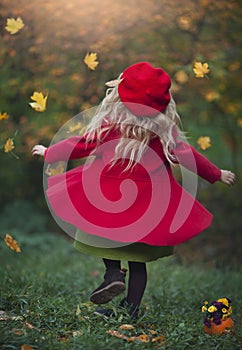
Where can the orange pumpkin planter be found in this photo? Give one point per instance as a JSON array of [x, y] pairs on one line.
[[218, 320], [226, 326]]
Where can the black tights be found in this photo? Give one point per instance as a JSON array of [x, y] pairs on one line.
[[137, 279]]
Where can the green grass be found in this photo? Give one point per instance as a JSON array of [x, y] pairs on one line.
[[42, 286]]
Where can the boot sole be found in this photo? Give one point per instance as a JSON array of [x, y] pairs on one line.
[[107, 293]]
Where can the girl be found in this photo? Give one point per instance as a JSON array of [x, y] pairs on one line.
[[126, 204]]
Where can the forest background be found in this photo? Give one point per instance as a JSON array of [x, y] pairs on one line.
[[47, 55]]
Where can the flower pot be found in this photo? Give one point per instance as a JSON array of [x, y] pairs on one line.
[[226, 326]]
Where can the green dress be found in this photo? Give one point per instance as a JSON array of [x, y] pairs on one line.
[[98, 246]]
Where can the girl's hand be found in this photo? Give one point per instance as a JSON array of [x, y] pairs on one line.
[[38, 150], [227, 177]]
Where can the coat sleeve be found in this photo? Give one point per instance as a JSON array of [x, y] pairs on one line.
[[187, 156], [72, 148]]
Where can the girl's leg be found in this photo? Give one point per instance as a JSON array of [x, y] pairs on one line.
[[136, 288], [113, 284], [137, 282], [112, 264]]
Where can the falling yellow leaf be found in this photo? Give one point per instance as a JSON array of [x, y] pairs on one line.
[[126, 327], [91, 60], [211, 96], [239, 121], [3, 116], [11, 243], [9, 145], [181, 77], [204, 142], [50, 171], [184, 22], [14, 25], [83, 130], [40, 101], [200, 69], [232, 108], [235, 66], [74, 127]]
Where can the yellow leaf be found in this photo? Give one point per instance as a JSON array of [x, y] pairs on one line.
[[200, 69], [144, 338], [82, 131], [181, 77], [239, 122], [9, 145], [184, 22], [120, 335], [40, 101], [26, 347], [91, 60], [204, 142], [11, 243], [132, 339], [158, 339], [74, 127], [126, 327], [211, 96], [3, 116], [14, 25], [234, 66], [116, 334], [55, 171]]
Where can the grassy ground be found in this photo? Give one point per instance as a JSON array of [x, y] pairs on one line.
[[45, 291]]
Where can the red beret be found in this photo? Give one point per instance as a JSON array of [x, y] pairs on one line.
[[144, 89]]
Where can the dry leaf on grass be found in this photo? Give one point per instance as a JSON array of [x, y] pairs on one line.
[[126, 327], [26, 347]]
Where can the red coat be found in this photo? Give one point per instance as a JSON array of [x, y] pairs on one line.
[[145, 204]]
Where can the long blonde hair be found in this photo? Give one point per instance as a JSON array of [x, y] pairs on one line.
[[136, 132]]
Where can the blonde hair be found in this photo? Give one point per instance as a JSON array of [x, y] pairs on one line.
[[136, 132]]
